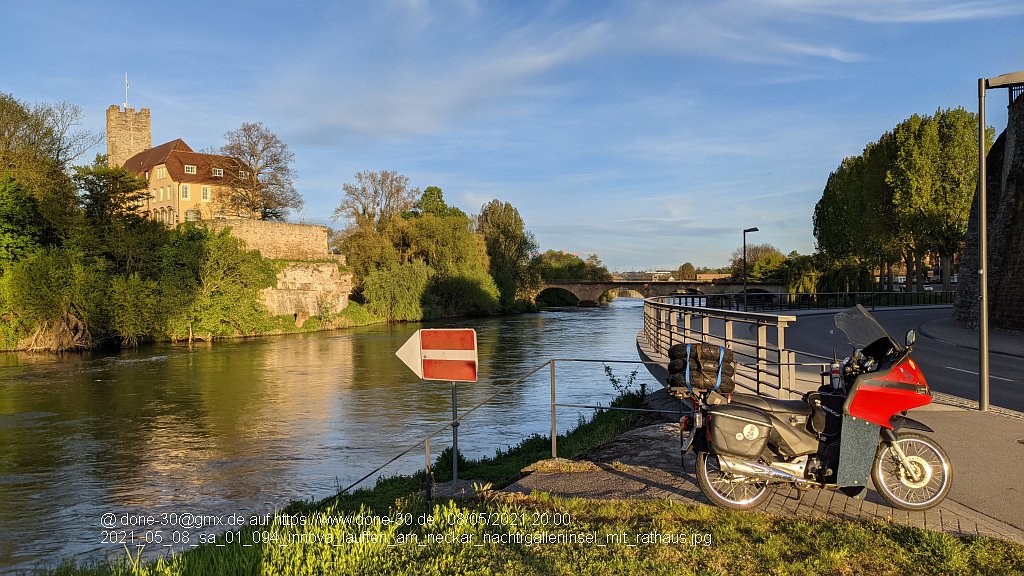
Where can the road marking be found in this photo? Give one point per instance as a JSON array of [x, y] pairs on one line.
[[975, 373]]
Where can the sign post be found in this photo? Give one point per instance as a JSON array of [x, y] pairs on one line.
[[444, 354]]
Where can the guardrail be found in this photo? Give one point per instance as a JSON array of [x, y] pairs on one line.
[[758, 341], [460, 417], [771, 301]]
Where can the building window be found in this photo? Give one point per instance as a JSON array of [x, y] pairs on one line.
[[218, 172], [189, 169], [206, 194], [161, 172], [184, 191], [243, 174]]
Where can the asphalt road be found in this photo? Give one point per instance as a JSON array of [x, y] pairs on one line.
[[948, 368]]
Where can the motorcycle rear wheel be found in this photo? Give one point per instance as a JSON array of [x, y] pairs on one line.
[[729, 490], [899, 487]]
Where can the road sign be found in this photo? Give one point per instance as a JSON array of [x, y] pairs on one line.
[[441, 354]]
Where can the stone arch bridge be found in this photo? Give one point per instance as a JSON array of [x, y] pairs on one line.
[[588, 292]]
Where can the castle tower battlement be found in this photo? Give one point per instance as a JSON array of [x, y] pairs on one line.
[[128, 133]]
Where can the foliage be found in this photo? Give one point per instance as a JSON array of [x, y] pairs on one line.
[[38, 143], [133, 314], [764, 262], [906, 195], [216, 283], [396, 294], [471, 293], [261, 179], [557, 265], [375, 198], [509, 249], [21, 225], [686, 272]]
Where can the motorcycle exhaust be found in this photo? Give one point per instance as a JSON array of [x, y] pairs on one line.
[[758, 470]]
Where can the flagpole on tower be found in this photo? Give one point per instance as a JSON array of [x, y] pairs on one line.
[[125, 90]]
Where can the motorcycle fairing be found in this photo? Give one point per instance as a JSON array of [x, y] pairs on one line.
[[857, 446], [878, 396]]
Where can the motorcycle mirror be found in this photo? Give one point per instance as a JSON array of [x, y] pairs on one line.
[[911, 337]]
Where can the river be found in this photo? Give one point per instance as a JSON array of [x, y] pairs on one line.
[[245, 426]]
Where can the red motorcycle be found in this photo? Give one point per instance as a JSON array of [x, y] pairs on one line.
[[834, 438]]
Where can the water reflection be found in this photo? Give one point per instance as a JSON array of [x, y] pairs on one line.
[[245, 426]]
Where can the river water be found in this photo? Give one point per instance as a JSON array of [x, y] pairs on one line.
[[243, 427]]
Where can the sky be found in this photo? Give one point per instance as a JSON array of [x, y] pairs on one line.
[[648, 133]]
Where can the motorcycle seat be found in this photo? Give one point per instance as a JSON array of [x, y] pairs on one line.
[[773, 405]]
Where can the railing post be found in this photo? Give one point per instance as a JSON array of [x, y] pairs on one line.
[[686, 327], [728, 334], [762, 352], [430, 479], [780, 335], [705, 328], [554, 426]]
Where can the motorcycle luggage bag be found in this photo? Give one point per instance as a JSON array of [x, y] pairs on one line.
[[701, 367], [737, 430]]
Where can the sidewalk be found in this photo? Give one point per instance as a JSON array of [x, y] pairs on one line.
[[986, 498], [985, 448], [953, 332]]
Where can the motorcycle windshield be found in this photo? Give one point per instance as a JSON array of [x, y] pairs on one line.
[[860, 327]]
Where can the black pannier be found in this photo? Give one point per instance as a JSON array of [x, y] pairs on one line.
[[737, 430], [701, 367]]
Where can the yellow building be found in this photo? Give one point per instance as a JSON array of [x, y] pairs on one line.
[[184, 185]]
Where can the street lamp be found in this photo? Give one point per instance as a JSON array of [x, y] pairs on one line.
[[745, 265], [1011, 80]]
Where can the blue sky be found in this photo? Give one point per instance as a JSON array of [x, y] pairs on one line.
[[649, 133]]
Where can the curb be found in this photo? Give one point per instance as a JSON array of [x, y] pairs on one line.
[[925, 331]]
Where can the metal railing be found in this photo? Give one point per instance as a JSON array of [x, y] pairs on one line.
[[460, 417], [771, 301], [758, 341]]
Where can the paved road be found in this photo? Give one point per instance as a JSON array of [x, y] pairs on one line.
[[948, 367]]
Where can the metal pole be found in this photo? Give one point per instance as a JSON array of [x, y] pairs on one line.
[[430, 479], [455, 436], [744, 270], [982, 255], [554, 427]]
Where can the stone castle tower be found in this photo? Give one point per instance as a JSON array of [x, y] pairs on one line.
[[128, 133]]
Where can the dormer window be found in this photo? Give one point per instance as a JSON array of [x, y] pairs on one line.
[[243, 174], [189, 169], [218, 172], [161, 173]]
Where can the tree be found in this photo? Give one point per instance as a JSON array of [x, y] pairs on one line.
[[109, 193], [375, 198], [260, 179], [21, 225], [763, 262], [509, 249], [37, 145], [686, 272]]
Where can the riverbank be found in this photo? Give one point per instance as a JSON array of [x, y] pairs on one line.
[[393, 529]]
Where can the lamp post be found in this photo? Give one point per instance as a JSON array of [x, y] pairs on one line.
[[745, 265], [1005, 81]]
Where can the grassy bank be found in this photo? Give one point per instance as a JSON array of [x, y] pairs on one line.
[[393, 529]]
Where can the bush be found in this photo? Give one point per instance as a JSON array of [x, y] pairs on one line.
[[396, 293]]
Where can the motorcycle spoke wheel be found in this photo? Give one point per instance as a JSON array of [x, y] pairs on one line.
[[728, 490], [921, 486]]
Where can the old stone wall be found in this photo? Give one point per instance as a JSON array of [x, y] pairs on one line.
[[279, 240], [307, 289], [128, 133], [1005, 207]]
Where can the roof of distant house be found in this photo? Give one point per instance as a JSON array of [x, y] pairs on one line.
[[175, 155]]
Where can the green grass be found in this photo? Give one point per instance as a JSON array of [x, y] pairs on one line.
[[498, 533]]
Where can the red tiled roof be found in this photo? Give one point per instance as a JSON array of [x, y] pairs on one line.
[[176, 154]]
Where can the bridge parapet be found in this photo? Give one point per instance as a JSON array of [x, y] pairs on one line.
[[592, 290]]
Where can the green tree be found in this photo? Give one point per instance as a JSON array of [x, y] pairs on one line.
[[21, 225], [214, 282], [763, 262], [686, 272], [133, 314], [509, 248], [397, 294]]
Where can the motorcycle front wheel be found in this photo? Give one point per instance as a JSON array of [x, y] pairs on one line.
[[920, 488], [729, 490]]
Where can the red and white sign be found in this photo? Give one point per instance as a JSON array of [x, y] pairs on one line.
[[441, 354]]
